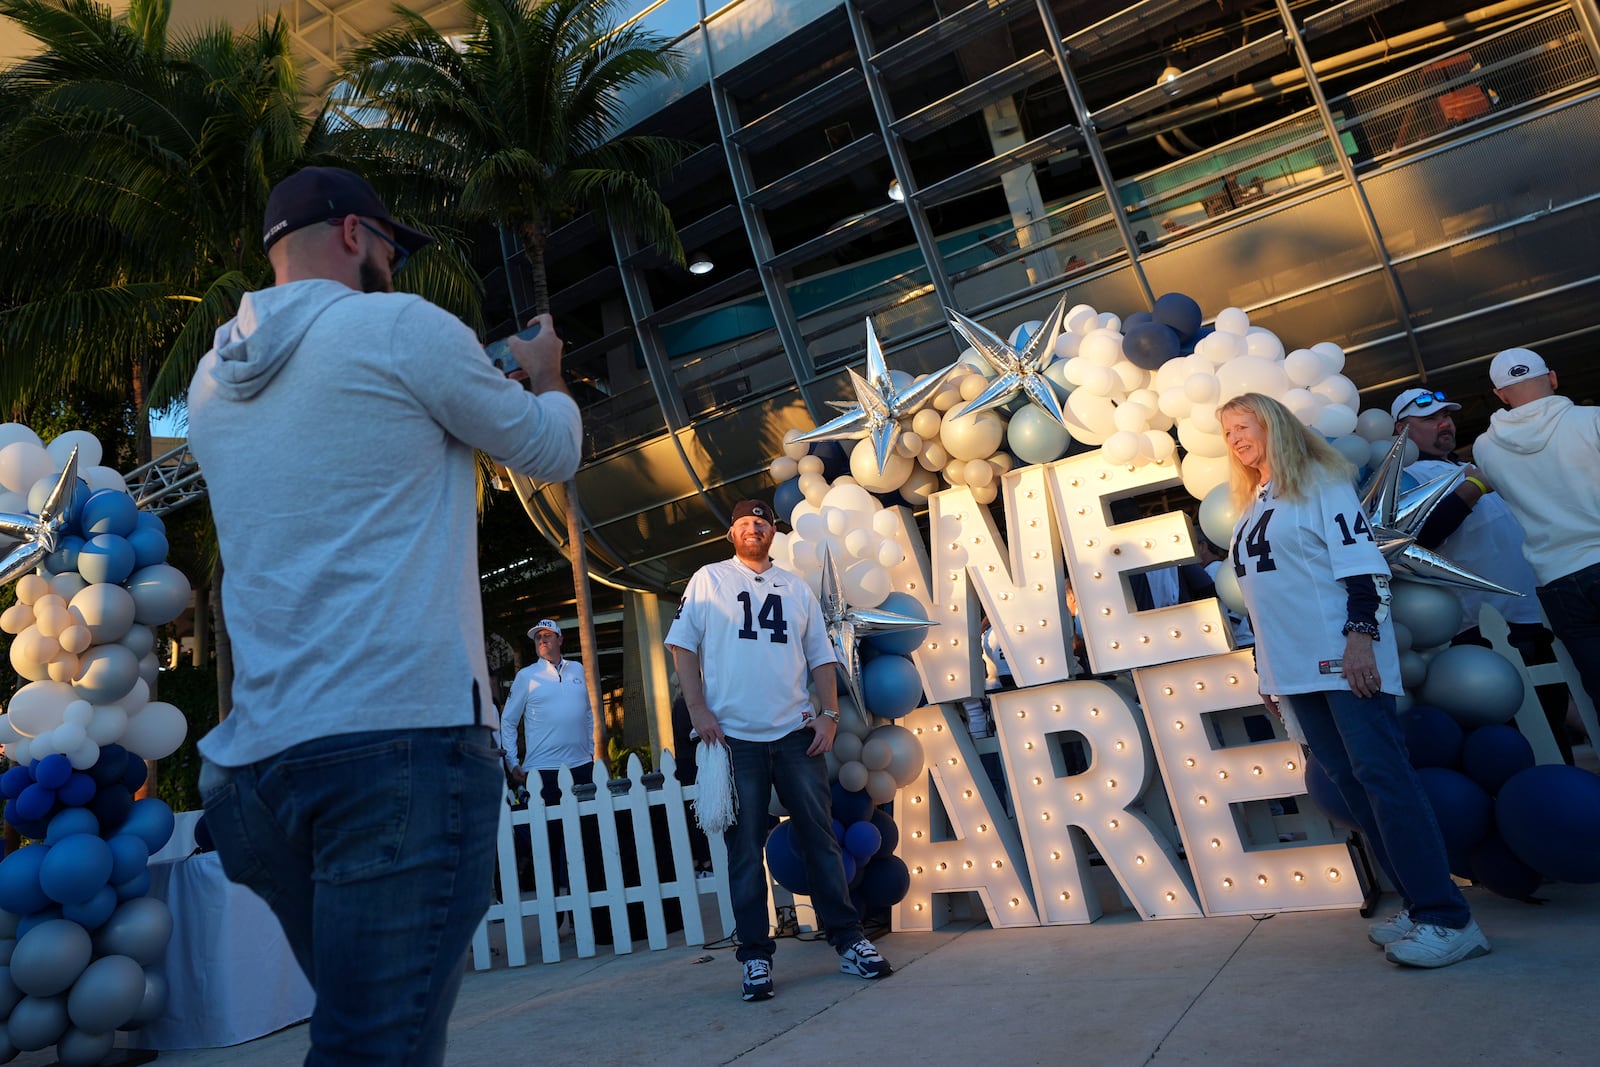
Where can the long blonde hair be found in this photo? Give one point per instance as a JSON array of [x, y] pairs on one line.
[[1297, 455]]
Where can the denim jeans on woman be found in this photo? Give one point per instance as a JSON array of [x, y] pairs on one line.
[[1358, 743], [802, 784], [376, 852]]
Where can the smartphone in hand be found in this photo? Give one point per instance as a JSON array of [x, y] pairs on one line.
[[499, 352]]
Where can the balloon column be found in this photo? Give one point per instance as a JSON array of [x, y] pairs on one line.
[[80, 933]]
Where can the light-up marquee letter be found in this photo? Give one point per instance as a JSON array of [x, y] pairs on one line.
[[1206, 779], [1099, 554], [1100, 801], [973, 847]]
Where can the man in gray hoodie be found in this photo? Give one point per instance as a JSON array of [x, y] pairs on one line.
[[356, 783], [1542, 454]]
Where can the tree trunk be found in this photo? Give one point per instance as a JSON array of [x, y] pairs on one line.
[[533, 240], [223, 644]]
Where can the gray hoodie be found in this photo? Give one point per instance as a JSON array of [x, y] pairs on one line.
[[336, 432], [1543, 458]]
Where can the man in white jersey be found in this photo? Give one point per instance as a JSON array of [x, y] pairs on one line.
[[745, 639]]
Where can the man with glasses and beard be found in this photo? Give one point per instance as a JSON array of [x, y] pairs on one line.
[[356, 783], [1474, 528]]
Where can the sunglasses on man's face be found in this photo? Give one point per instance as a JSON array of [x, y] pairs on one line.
[[398, 255], [1426, 401]]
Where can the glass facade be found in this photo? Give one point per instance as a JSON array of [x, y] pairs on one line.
[[1415, 181]]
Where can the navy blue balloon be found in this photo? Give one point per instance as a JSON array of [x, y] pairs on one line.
[[1464, 812], [152, 820], [838, 832], [137, 886], [111, 806], [1433, 736], [20, 893], [149, 547], [1179, 311], [129, 856], [886, 882], [93, 913], [53, 771], [149, 520], [69, 821], [35, 804], [888, 828], [783, 859], [14, 781], [1550, 817], [853, 871], [78, 791], [1135, 318], [135, 773], [862, 840], [891, 686], [202, 835], [109, 767], [786, 496], [1150, 344], [65, 557], [900, 642], [1497, 869], [1492, 754], [109, 511], [1325, 795], [835, 458], [850, 807]]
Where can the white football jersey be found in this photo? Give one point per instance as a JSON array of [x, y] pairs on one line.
[[1289, 556], [759, 637]]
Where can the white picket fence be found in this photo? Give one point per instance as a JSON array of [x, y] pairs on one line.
[[650, 889]]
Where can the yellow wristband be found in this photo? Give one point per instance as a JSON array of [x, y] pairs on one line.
[[1483, 486]]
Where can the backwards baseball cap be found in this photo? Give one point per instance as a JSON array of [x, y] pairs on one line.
[[756, 508], [545, 624], [1420, 402], [317, 194], [1516, 365]]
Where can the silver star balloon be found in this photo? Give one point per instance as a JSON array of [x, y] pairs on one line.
[[1398, 516], [1017, 372], [880, 407], [847, 625], [40, 534]]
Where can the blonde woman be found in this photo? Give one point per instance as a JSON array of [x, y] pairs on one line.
[[1317, 590]]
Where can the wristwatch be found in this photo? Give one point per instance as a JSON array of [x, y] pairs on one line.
[[834, 715]]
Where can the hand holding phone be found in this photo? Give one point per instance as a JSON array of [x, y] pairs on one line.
[[499, 352]]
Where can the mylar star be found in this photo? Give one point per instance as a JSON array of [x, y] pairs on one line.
[[1398, 515], [1018, 372], [847, 625], [880, 407], [40, 535]]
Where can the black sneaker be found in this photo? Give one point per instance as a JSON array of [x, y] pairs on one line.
[[757, 979], [862, 959]]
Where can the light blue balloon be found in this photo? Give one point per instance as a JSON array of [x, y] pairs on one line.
[[1035, 437], [106, 558], [49, 958], [890, 686]]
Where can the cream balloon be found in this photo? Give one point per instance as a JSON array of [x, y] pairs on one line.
[[925, 424], [156, 732], [919, 487], [1201, 474], [783, 468], [974, 436], [30, 587], [795, 449], [38, 707]]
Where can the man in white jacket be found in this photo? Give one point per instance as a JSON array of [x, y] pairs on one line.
[[1542, 455]]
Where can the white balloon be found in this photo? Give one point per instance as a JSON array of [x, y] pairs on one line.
[[837, 521], [1162, 446], [1374, 424], [1332, 354], [1304, 367], [22, 465], [1232, 320], [1199, 443], [83, 755], [861, 544], [865, 584], [1201, 474], [851, 499], [889, 553], [1175, 403], [1121, 447], [1090, 419], [1081, 319], [107, 725], [864, 466], [1218, 516], [1352, 448], [1251, 374], [1100, 348], [37, 707], [1339, 390], [1305, 404], [1335, 420], [1218, 348], [1101, 381], [156, 732], [12, 432], [67, 585], [1205, 419], [1263, 343], [1202, 389], [87, 444], [108, 610], [1132, 416], [97, 478]]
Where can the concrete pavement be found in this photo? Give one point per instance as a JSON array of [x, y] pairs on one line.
[[1293, 988]]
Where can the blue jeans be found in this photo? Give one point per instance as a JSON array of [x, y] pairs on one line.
[[1572, 605], [376, 852], [802, 784], [1359, 744]]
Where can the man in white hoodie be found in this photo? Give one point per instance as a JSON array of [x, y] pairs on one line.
[[1542, 454], [356, 783]]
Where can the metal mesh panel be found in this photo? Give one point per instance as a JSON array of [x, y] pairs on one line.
[[1531, 323], [1473, 84], [1300, 247], [1348, 313], [1469, 188]]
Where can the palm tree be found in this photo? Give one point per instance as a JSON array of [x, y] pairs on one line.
[[134, 170], [521, 121]]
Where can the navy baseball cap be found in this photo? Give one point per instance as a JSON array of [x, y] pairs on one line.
[[317, 194], [755, 508]]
